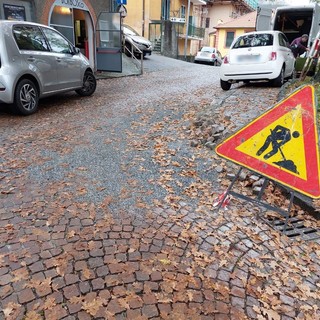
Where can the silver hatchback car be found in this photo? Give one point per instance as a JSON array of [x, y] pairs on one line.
[[37, 61]]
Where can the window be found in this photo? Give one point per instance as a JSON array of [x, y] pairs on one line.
[[57, 42], [229, 38], [183, 12], [62, 20], [283, 41], [30, 38], [254, 40], [207, 22]]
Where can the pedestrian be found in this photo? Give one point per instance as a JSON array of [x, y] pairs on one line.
[[299, 45]]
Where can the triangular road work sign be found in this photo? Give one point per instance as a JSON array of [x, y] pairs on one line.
[[281, 144]]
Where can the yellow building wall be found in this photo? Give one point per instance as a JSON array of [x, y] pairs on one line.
[[221, 37], [175, 6], [134, 18], [181, 46]]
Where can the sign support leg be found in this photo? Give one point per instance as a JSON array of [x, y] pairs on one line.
[[229, 188], [258, 200]]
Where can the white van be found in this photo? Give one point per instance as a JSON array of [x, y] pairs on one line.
[[293, 21]]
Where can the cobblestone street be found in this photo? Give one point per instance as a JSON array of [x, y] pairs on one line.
[[106, 209]]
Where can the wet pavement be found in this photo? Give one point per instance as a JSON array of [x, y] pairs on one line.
[[106, 209]]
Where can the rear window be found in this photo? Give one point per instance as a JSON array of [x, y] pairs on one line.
[[207, 49], [254, 40]]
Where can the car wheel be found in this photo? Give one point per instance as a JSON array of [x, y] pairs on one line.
[[26, 97], [225, 85], [278, 82], [291, 76], [89, 85]]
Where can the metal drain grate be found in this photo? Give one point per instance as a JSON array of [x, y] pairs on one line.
[[293, 227]]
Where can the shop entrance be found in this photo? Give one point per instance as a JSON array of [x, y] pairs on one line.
[[76, 25]]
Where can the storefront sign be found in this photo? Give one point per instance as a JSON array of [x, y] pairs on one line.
[[12, 12], [76, 4]]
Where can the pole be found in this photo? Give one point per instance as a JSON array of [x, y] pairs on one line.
[[143, 16], [187, 31]]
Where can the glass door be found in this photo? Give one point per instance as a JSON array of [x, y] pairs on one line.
[[109, 42]]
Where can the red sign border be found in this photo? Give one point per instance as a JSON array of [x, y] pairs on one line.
[[310, 186]]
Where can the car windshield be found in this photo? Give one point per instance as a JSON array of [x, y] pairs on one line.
[[129, 31], [207, 49], [254, 40]]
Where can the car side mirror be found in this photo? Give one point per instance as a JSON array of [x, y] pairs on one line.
[[75, 50]]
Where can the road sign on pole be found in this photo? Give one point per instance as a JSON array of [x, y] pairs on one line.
[[122, 10], [281, 144], [121, 1]]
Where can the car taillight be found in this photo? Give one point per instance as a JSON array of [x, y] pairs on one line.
[[213, 55], [273, 56], [225, 60]]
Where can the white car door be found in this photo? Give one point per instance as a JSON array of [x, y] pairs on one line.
[[287, 54]]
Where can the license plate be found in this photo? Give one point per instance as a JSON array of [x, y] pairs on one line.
[[248, 58]]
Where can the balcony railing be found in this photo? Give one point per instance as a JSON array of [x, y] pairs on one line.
[[250, 3], [196, 32], [193, 31]]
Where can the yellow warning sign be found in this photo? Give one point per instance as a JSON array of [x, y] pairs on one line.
[[280, 144]]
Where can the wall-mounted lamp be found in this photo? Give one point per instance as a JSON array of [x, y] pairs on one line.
[[65, 10]]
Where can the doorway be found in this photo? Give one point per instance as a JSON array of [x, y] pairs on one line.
[[76, 25]]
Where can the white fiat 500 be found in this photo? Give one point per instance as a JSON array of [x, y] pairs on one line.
[[253, 56]]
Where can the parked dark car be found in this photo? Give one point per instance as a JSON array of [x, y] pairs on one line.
[[133, 42]]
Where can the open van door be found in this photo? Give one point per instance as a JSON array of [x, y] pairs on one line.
[[315, 23], [265, 16], [263, 21]]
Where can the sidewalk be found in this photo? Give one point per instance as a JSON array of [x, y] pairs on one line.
[[130, 67]]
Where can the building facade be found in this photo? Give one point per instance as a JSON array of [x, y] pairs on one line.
[[144, 16], [228, 31], [75, 19]]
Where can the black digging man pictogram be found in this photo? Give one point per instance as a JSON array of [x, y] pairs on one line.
[[279, 136]]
